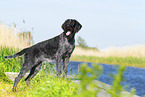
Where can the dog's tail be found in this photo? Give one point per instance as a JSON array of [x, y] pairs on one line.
[[17, 54]]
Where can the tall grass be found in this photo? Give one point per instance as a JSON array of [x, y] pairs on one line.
[[137, 51], [126, 51], [11, 41], [128, 56], [85, 51], [9, 65], [10, 36]]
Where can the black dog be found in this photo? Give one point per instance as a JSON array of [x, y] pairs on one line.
[[58, 48]]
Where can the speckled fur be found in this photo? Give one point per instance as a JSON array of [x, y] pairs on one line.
[[58, 48]]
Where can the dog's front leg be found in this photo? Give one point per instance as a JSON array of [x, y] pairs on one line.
[[65, 66], [58, 66]]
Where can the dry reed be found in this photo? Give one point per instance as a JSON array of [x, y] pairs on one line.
[[9, 36], [85, 51], [127, 51]]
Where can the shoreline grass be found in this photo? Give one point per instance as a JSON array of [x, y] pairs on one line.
[[126, 61], [128, 56]]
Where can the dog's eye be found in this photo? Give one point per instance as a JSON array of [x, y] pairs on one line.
[[67, 23], [72, 23]]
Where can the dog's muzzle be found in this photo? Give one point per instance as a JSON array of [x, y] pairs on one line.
[[68, 33]]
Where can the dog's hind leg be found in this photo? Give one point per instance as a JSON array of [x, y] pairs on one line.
[[23, 71], [33, 72]]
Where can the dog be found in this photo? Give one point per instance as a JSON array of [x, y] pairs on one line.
[[58, 48]]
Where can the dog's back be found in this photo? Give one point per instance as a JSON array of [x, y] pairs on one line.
[[58, 48]]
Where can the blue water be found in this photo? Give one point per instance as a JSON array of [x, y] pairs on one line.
[[133, 77]]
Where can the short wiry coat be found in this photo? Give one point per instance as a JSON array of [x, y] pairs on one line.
[[58, 48]]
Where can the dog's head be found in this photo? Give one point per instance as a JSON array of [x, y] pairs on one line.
[[70, 27]]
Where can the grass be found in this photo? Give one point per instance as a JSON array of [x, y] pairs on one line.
[[128, 56], [10, 36], [9, 65], [47, 85], [137, 51], [50, 85], [11, 41], [126, 61]]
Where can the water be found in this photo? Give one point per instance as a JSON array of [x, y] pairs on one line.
[[134, 77]]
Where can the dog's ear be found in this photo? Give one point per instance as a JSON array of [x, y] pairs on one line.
[[63, 25], [78, 26]]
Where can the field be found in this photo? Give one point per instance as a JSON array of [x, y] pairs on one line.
[[128, 56], [11, 42], [137, 51]]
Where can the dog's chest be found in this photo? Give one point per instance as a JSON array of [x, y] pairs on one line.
[[68, 47]]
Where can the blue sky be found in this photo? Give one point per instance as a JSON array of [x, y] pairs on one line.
[[105, 23]]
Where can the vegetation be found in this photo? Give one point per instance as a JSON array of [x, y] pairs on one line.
[[47, 85], [127, 56], [127, 61], [11, 37], [9, 65], [81, 42], [137, 51], [12, 41], [27, 37]]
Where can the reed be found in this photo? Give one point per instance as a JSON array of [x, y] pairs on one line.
[[12, 41], [137, 51], [10, 36]]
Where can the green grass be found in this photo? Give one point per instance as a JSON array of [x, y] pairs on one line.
[[51, 86], [46, 85], [9, 65], [126, 61]]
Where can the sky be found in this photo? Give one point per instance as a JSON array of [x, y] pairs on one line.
[[105, 23]]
